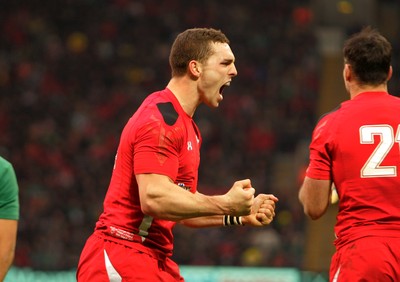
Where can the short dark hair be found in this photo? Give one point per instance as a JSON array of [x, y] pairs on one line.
[[369, 54], [193, 44]]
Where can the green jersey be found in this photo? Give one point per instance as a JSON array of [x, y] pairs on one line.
[[9, 200]]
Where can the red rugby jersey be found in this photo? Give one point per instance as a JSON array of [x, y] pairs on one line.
[[357, 146], [159, 138]]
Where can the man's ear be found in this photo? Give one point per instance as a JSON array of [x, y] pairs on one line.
[[347, 72], [390, 73], [194, 68]]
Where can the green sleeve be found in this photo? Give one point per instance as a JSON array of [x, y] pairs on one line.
[[9, 200]]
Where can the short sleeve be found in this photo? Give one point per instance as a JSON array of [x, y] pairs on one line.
[[9, 199], [320, 159], [157, 149]]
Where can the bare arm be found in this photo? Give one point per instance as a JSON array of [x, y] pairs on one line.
[[315, 195], [161, 198], [8, 239], [262, 213]]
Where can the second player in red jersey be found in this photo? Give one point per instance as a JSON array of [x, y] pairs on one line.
[[356, 148]]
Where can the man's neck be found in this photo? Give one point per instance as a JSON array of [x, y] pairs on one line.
[[355, 90], [185, 91]]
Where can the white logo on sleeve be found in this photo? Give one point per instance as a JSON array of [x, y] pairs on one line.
[[189, 146]]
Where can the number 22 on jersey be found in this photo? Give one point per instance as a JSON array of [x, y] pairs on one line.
[[373, 168]]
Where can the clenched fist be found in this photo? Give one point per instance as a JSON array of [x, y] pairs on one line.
[[262, 212], [240, 198]]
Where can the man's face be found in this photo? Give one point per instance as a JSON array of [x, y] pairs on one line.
[[216, 73]]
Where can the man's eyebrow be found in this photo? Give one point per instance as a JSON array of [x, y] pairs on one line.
[[228, 60]]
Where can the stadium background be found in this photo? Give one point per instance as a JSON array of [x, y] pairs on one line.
[[73, 71]]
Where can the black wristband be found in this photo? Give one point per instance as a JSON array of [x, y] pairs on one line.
[[229, 220], [226, 221]]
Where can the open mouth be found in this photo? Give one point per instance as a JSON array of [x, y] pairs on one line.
[[223, 87]]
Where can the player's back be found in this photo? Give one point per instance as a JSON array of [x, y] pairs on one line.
[[366, 164]]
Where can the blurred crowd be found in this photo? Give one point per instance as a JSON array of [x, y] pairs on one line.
[[73, 71]]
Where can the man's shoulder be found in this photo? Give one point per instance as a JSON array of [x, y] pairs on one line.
[[168, 112], [5, 165], [160, 105], [4, 162], [329, 115]]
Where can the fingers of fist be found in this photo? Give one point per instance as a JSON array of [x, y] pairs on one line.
[[266, 213], [263, 219], [268, 205]]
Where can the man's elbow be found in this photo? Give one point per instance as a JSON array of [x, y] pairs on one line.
[[151, 207], [314, 213]]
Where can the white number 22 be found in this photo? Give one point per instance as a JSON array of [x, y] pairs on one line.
[[373, 168]]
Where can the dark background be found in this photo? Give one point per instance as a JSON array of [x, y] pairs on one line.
[[73, 72]]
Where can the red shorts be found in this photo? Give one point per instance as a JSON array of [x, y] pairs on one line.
[[109, 261], [367, 259]]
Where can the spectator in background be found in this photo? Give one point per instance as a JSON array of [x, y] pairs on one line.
[[9, 215], [154, 181], [356, 148]]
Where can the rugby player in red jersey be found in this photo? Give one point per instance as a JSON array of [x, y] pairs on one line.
[[356, 147], [154, 181]]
